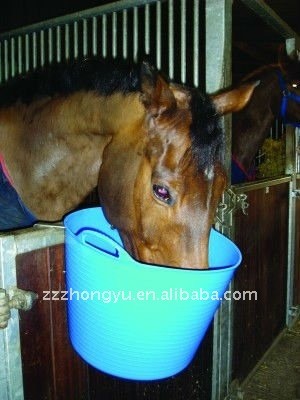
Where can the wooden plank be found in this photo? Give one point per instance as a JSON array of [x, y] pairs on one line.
[[262, 238], [51, 369]]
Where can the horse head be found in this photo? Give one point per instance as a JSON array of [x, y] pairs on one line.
[[289, 82], [162, 175], [277, 95]]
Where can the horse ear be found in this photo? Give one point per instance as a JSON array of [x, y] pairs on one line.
[[156, 96], [235, 99], [289, 62], [285, 57]]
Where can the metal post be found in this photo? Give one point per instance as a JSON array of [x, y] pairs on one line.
[[291, 168], [218, 76], [11, 378], [11, 245]]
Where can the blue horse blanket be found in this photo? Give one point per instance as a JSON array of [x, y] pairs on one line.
[[13, 213]]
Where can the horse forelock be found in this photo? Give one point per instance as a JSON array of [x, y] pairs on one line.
[[207, 138]]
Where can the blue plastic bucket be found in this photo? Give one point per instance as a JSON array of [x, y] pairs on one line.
[[134, 320]]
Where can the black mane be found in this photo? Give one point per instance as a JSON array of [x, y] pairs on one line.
[[67, 78], [107, 77], [206, 132]]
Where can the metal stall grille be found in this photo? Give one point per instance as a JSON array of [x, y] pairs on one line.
[[125, 29]]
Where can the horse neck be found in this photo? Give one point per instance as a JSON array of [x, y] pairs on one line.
[[60, 142], [251, 125]]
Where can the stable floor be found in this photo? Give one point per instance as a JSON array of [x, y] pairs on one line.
[[278, 375]]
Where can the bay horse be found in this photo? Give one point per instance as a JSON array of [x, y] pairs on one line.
[[277, 95], [153, 148]]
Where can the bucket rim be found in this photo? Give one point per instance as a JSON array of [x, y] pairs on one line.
[[136, 263]]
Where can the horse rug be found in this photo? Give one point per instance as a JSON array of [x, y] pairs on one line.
[[13, 212]]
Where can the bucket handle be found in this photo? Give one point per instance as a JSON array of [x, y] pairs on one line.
[[93, 238]]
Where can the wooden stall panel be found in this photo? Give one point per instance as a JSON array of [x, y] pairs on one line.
[[51, 368], [262, 237]]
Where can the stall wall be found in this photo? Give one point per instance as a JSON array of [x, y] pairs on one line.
[[262, 237], [51, 368]]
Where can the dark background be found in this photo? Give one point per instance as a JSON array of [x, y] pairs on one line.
[[16, 13]]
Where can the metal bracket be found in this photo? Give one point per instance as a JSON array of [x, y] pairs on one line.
[[294, 311], [235, 392], [14, 298], [234, 202], [296, 193]]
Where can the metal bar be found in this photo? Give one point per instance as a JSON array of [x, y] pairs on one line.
[[75, 39], [291, 253], [20, 58], [11, 379], [6, 67], [271, 18], [84, 38], [67, 41], [89, 13], [11, 245], [125, 34], [158, 34], [36, 238], [27, 56], [218, 17], [114, 35], [94, 36], [135, 33], [42, 48], [261, 184], [183, 40], [34, 50], [297, 146], [12, 57], [196, 11], [50, 45], [58, 44], [171, 37], [147, 29], [104, 35]]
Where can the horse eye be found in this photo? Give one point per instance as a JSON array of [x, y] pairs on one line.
[[162, 193]]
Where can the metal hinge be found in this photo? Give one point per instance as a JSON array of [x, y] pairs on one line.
[[14, 298], [294, 311], [235, 392], [296, 193], [233, 202]]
